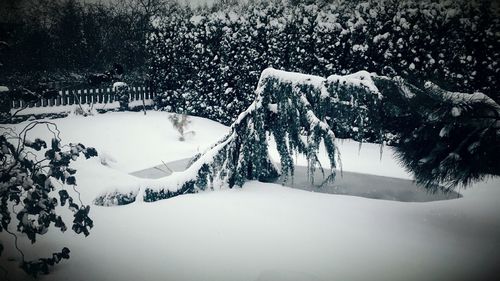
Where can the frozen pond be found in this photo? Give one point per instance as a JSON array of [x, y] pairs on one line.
[[369, 186], [349, 183]]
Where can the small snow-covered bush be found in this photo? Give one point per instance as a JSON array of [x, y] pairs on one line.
[[121, 90], [106, 159], [79, 110], [115, 198], [181, 123]]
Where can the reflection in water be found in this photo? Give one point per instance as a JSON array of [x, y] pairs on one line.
[[369, 186]]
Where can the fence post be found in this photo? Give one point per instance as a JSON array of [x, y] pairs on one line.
[[112, 95], [78, 95], [71, 97], [82, 96], [100, 96], [150, 94], [106, 95], [66, 97], [59, 98]]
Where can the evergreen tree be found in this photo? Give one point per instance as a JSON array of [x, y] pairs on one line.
[[447, 137]]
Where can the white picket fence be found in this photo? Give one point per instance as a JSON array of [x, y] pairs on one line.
[[96, 97]]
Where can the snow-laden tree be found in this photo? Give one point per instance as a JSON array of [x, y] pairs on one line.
[[447, 138], [290, 107]]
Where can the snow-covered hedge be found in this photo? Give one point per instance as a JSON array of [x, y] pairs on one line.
[[207, 62]]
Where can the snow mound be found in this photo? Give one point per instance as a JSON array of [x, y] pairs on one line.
[[119, 85]]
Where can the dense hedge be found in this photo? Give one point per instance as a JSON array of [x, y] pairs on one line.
[[207, 61], [63, 41]]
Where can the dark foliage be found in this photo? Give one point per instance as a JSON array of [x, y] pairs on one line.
[[25, 185], [449, 139], [207, 62], [68, 40], [42, 266]]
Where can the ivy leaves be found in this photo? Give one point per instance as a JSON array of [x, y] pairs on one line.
[[42, 265], [60, 160], [26, 184]]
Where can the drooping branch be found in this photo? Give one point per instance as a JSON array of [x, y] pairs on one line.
[[281, 110], [302, 111], [446, 138]]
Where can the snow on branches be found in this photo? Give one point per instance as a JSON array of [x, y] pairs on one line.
[[302, 111], [447, 139], [292, 108]]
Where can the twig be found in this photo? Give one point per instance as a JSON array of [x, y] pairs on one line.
[[167, 166], [144, 103], [15, 243], [78, 100], [9, 132], [79, 195], [19, 110], [160, 170]]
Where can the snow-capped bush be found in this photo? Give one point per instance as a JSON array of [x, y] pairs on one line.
[[181, 123], [121, 90]]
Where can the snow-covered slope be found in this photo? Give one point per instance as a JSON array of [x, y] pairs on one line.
[[131, 141], [263, 231]]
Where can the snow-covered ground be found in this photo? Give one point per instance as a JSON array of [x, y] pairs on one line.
[[262, 231]]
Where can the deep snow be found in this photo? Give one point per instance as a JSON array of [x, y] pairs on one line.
[[261, 231]]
